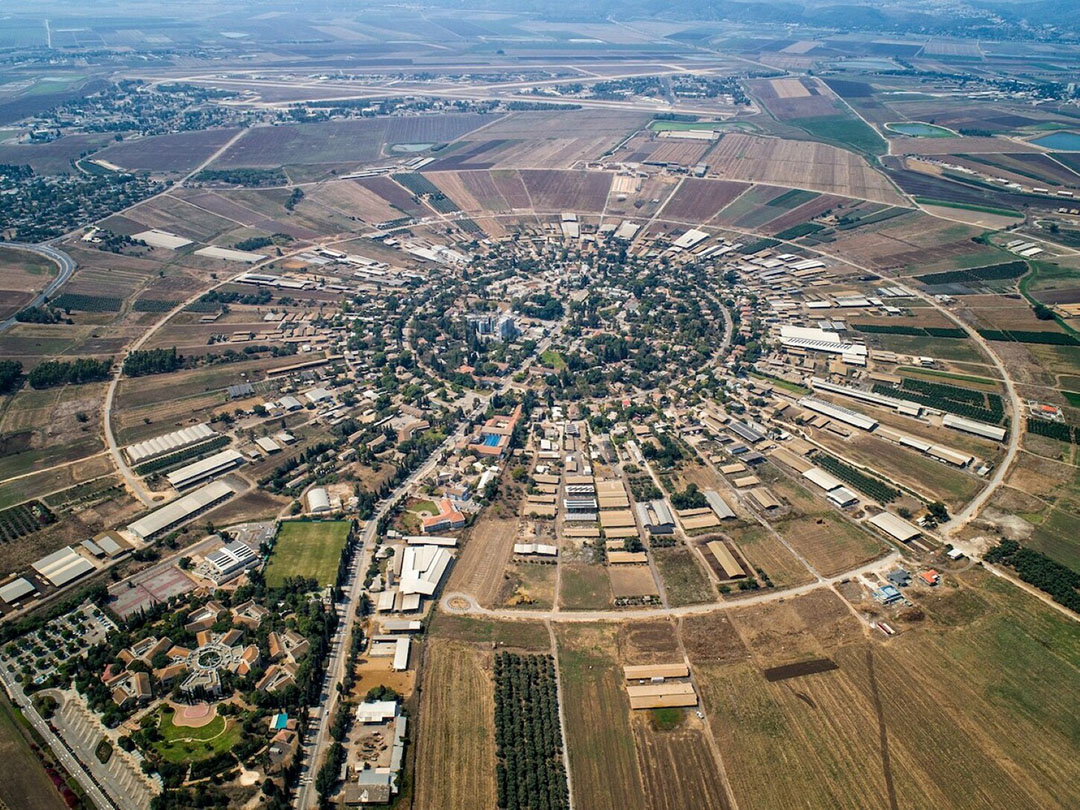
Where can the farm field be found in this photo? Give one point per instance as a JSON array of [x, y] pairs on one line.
[[699, 200], [880, 687], [355, 141], [684, 580], [307, 549], [487, 549], [455, 753], [25, 784], [801, 164], [762, 550], [584, 587], [829, 543], [603, 762], [22, 274], [181, 152]]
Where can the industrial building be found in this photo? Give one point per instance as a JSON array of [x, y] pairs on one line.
[[228, 562], [201, 471], [656, 517], [973, 427], [182, 509]]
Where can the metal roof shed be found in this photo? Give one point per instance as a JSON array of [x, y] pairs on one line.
[[895, 527]]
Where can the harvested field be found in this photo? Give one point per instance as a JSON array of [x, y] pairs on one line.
[[455, 747], [955, 146], [26, 785], [486, 551], [525, 635], [510, 186], [355, 141], [481, 186], [684, 153], [394, 195], [603, 763], [829, 543], [805, 212], [566, 191], [648, 642], [677, 767], [699, 200], [712, 639], [632, 580], [762, 550], [181, 152], [802, 164], [22, 275]]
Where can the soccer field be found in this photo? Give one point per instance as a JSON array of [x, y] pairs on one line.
[[307, 549]]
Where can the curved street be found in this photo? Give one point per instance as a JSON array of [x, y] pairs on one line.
[[66, 264]]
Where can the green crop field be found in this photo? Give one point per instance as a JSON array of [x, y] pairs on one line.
[[307, 549], [846, 131]]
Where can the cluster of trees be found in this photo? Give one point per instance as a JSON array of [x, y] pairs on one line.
[[61, 372], [528, 739], [243, 177], [1062, 431], [668, 455], [689, 498], [541, 305], [1037, 569], [256, 242], [261, 297], [152, 361], [39, 315], [10, 376], [294, 198]]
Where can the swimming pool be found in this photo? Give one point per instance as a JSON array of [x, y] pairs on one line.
[[491, 440]]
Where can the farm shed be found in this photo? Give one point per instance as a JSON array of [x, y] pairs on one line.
[[971, 426], [617, 519], [764, 499], [169, 443], [895, 527], [726, 560], [719, 506], [643, 672], [15, 590], [626, 557], [172, 515], [63, 566], [658, 695], [207, 468]]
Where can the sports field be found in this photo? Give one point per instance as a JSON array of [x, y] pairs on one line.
[[307, 549]]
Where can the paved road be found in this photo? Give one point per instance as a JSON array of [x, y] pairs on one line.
[[65, 263], [464, 604], [56, 745]]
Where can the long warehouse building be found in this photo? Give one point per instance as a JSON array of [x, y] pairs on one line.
[[174, 442], [182, 509], [204, 470], [839, 413]]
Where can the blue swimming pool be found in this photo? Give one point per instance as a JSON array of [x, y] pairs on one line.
[[491, 440]]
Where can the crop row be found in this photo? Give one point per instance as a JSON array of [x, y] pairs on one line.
[[26, 518], [866, 484], [87, 303], [976, 412], [1061, 431], [914, 331], [529, 766], [993, 272], [1022, 336]]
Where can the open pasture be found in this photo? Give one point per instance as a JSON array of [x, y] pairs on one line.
[[685, 581]]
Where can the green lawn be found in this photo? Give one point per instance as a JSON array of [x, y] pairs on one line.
[[307, 549], [552, 359], [180, 744]]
